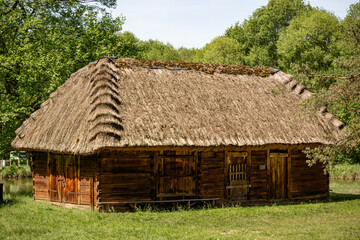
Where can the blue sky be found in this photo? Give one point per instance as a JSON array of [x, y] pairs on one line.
[[193, 23]]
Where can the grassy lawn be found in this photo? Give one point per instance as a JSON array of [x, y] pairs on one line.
[[21, 218]]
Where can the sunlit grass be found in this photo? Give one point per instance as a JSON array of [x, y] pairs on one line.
[[22, 218]]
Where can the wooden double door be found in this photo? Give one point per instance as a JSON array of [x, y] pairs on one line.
[[63, 178]]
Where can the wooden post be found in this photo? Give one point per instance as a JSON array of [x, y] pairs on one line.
[[226, 176], [268, 174]]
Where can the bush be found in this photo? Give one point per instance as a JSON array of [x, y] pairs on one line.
[[15, 172], [345, 172]]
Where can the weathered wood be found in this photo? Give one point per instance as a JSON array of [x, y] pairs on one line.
[[278, 186], [178, 173], [258, 180], [305, 180]]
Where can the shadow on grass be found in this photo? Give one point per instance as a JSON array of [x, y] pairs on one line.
[[341, 197], [10, 199]]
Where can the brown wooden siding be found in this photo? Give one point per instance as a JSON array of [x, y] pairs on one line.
[[304, 180], [88, 170], [125, 176], [40, 172], [212, 180], [258, 178]]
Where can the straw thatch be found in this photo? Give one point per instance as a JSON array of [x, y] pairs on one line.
[[129, 103]]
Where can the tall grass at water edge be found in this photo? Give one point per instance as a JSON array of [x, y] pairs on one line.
[[14, 172]]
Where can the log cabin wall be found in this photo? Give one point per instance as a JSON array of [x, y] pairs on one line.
[[305, 181], [124, 177], [89, 180], [212, 175], [258, 174], [39, 167]]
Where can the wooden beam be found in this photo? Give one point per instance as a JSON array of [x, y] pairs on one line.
[[226, 172], [268, 175], [289, 174], [278, 155]]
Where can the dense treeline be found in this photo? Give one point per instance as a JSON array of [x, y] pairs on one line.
[[43, 41], [313, 44]]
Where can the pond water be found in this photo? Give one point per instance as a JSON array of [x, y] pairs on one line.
[[17, 186]]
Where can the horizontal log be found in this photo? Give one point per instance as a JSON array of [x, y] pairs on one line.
[[129, 197], [125, 188], [85, 164], [278, 155], [258, 153], [84, 199], [129, 178], [126, 154], [307, 194], [84, 173], [40, 197]]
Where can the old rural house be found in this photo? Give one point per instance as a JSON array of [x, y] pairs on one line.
[[121, 132]]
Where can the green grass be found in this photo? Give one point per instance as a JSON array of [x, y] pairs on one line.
[[22, 218], [345, 172]]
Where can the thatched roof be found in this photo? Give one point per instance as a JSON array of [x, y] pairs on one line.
[[129, 103]]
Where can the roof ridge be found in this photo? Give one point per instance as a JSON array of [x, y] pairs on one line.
[[202, 67]]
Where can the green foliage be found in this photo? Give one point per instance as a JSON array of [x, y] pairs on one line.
[[222, 50], [310, 41], [345, 172], [42, 43], [156, 50], [129, 46], [260, 33], [186, 54], [14, 171]]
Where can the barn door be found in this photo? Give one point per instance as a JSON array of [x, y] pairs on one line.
[[63, 179], [55, 172], [176, 175], [238, 181], [71, 188], [278, 175]]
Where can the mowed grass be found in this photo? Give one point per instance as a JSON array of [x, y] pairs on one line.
[[22, 218]]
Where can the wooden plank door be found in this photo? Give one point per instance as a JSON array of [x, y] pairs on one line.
[[176, 176], [238, 181], [55, 172], [71, 180], [63, 179], [278, 176]]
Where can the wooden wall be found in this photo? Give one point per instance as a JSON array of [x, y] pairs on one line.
[[212, 183], [88, 180], [124, 176], [39, 166], [305, 181], [258, 177]]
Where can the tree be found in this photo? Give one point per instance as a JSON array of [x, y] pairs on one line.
[[186, 54], [310, 41], [41, 43], [156, 50], [222, 50], [129, 46], [260, 33], [343, 96]]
